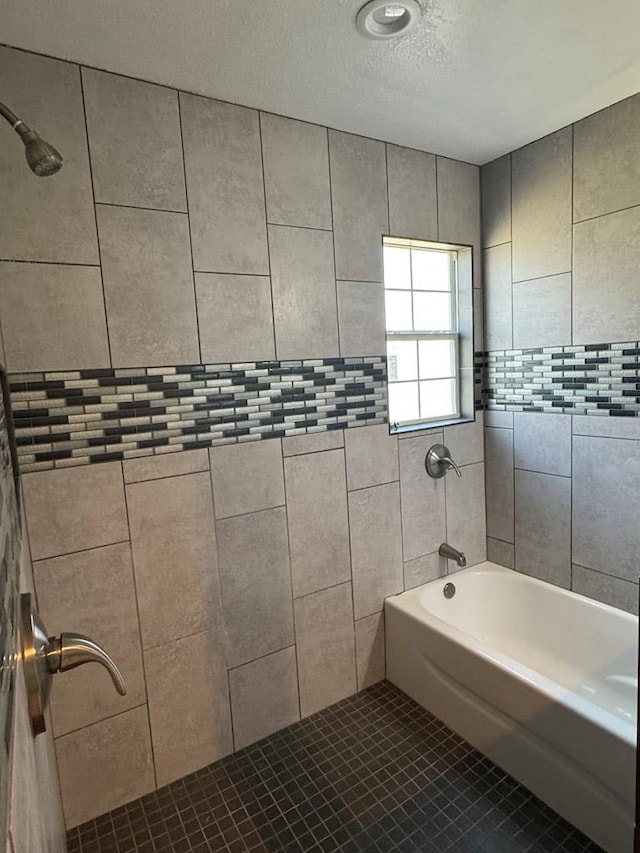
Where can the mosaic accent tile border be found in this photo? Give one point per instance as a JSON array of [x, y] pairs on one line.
[[79, 417], [591, 379]]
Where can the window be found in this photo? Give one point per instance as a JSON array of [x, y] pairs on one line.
[[423, 331]]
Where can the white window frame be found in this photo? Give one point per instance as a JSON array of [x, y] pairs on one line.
[[452, 334]]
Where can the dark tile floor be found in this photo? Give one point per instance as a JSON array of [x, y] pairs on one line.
[[373, 773]]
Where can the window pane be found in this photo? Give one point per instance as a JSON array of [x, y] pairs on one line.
[[437, 358], [402, 360], [398, 310], [397, 268], [403, 402], [432, 312], [430, 270], [438, 398]]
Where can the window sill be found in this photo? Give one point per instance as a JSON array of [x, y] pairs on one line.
[[431, 426]]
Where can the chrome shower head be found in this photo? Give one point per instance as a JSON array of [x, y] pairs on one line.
[[43, 158]]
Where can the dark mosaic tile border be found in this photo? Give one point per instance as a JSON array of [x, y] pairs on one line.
[[78, 417], [592, 379], [374, 772]]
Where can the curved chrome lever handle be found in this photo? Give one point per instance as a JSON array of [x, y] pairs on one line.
[[447, 460], [43, 656], [438, 460], [71, 650]]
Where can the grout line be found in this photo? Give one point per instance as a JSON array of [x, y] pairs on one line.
[[139, 620], [267, 238], [142, 206], [607, 213], [95, 214], [542, 473], [572, 320], [292, 601], [534, 278], [373, 485], [186, 195], [102, 720], [333, 245], [82, 550], [49, 263]]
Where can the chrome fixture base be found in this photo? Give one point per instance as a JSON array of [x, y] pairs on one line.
[[438, 461]]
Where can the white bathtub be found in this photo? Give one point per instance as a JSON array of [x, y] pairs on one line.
[[541, 680]]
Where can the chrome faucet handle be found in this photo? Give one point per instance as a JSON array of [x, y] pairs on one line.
[[449, 461], [71, 650], [438, 460], [43, 656]]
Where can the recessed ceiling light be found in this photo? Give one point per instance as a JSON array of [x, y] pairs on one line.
[[380, 19]]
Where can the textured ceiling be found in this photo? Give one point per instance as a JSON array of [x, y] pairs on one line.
[[475, 79]]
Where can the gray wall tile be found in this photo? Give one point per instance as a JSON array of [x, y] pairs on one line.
[[459, 203], [614, 591], [550, 327], [135, 141], [92, 593], [498, 457], [174, 557], [247, 477], [498, 311], [495, 179], [318, 523], [466, 441], [502, 553], [423, 507], [235, 317], [304, 292], [543, 506], [105, 765], [188, 704], [376, 547], [223, 164], [73, 509], [606, 504], [296, 445], [606, 427], [361, 318], [606, 297], [542, 442], [413, 204], [259, 709], [41, 306], [370, 650], [296, 172], [256, 584], [503, 420], [148, 284], [466, 519], [541, 175], [605, 151], [372, 456], [46, 220], [167, 465], [424, 569], [359, 198], [326, 648]]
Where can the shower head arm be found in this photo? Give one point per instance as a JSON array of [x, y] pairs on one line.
[[10, 116]]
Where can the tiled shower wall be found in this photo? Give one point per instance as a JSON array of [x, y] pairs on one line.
[[561, 236], [240, 586]]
